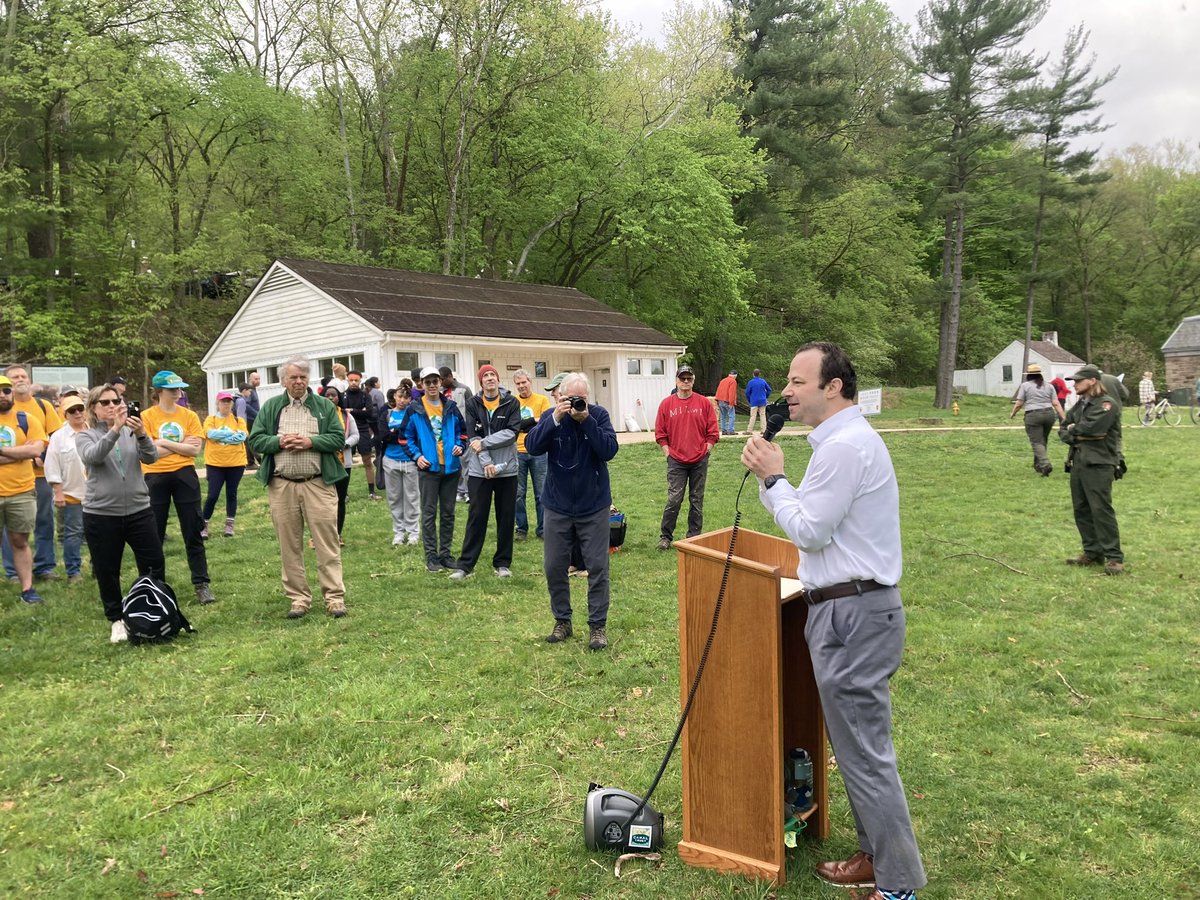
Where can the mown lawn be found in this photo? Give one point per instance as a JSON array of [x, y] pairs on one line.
[[431, 744]]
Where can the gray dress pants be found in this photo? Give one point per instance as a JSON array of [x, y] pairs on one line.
[[856, 644], [560, 535]]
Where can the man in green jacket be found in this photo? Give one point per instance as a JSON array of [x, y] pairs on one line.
[[1092, 427], [300, 437]]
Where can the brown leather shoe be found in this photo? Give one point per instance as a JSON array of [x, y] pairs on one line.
[[1084, 560], [857, 871], [1112, 567]]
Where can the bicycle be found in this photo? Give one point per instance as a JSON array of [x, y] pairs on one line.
[[1164, 410]]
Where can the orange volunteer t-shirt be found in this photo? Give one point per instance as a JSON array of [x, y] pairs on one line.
[[181, 424], [17, 477]]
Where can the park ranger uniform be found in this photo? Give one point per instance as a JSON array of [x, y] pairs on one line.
[[1092, 428]]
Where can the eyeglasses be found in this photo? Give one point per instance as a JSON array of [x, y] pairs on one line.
[[109, 402]]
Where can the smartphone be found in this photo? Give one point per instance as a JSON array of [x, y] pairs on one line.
[[135, 411]]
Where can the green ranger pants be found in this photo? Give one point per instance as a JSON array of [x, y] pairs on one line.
[[1091, 496]]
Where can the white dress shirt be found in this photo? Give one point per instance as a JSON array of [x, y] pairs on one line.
[[845, 516]]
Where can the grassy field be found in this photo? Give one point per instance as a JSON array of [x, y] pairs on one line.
[[431, 744]]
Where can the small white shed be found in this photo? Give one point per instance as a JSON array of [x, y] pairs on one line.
[[1001, 375], [387, 322]]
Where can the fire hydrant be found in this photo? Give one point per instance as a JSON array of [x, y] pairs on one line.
[[954, 407]]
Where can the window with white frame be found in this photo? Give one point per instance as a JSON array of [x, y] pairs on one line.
[[658, 367], [633, 367], [1006, 373], [407, 360], [324, 366], [449, 360]]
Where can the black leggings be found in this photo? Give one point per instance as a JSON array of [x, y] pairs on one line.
[[183, 488], [107, 537], [228, 477]]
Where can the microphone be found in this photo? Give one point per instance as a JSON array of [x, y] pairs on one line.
[[777, 415]]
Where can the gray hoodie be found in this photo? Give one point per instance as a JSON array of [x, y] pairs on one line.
[[113, 459]]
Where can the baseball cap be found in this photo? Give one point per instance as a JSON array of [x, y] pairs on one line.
[[74, 401], [429, 372], [555, 381], [685, 370], [116, 379], [4, 381], [168, 379], [224, 395], [1086, 372]]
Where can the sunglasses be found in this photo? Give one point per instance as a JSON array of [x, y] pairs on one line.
[[686, 378], [432, 380], [5, 391], [116, 402]]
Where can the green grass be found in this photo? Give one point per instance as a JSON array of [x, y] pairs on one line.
[[431, 744]]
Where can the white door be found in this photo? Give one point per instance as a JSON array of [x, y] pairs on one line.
[[602, 388]]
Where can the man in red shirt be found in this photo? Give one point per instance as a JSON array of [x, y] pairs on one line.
[[686, 429], [727, 392]]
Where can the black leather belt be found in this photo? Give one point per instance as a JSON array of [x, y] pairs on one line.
[[845, 589], [298, 480]]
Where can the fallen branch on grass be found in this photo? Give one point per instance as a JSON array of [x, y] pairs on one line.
[[992, 558], [1083, 698], [190, 798], [1159, 719]]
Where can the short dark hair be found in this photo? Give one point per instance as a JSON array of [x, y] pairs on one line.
[[446, 371], [352, 372], [834, 364], [372, 382]]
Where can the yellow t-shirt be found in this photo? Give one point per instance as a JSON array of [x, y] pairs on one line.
[[44, 412], [17, 477], [217, 454], [434, 411], [531, 408], [181, 424]]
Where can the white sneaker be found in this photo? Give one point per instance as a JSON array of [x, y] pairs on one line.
[[397, 540], [414, 539], [119, 632], [459, 575], [503, 572]]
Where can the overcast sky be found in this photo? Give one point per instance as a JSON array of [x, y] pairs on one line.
[[1155, 44]]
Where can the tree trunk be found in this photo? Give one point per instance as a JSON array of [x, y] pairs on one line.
[[948, 326]]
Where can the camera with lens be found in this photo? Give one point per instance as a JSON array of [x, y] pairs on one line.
[[577, 403], [134, 411]]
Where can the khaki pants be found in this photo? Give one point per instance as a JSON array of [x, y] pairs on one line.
[[293, 503]]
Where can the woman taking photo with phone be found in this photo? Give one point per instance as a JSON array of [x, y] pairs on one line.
[[116, 502]]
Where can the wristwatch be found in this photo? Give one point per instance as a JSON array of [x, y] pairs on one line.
[[769, 481]]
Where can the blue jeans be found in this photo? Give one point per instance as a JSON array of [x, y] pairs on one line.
[[73, 538], [535, 466], [727, 416], [44, 559]]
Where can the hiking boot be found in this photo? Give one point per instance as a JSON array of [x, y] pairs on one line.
[[338, 611], [664, 544], [434, 566], [1114, 567], [297, 612], [74, 579], [119, 632], [45, 576], [204, 594], [562, 631], [31, 596], [503, 572], [460, 575], [204, 532], [522, 535], [228, 532], [1084, 560], [598, 639]]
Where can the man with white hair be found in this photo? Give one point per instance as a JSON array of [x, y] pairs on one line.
[[578, 440], [300, 437]]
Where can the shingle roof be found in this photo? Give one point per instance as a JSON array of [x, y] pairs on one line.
[[1054, 353], [1186, 337], [417, 302]]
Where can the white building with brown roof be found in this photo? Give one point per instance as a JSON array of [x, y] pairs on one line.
[[387, 322], [1003, 372]]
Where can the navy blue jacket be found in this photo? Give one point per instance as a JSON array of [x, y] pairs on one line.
[[578, 454]]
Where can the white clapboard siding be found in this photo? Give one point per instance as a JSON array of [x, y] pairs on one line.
[[283, 317]]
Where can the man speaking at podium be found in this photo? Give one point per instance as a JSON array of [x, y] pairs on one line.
[[845, 518]]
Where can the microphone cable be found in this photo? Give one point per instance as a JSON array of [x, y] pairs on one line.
[[774, 424]]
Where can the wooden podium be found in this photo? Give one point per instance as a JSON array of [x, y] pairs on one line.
[[756, 701]]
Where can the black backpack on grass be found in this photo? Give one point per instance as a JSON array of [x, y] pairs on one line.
[[151, 612]]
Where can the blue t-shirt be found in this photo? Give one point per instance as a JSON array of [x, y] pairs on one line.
[[757, 391]]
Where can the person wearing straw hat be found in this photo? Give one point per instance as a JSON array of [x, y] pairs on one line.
[[1042, 411]]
